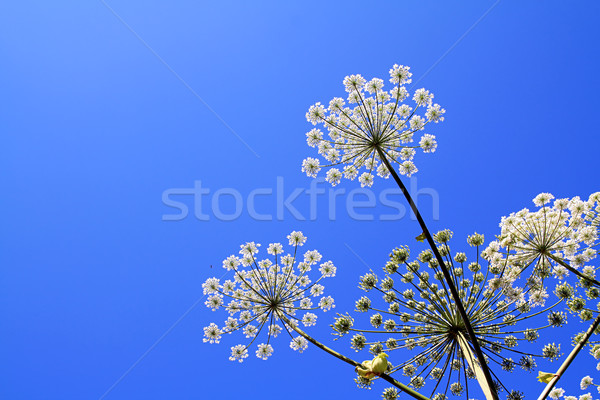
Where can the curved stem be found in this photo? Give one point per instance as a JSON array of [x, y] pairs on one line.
[[442, 264], [570, 358], [350, 361]]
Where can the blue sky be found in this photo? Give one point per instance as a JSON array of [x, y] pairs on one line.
[[103, 111]]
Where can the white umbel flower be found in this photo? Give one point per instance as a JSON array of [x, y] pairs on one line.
[[264, 351], [299, 344], [268, 294], [372, 124], [557, 238], [585, 382]]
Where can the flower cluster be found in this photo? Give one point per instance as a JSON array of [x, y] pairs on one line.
[[370, 124], [587, 382], [558, 238], [419, 314], [266, 295], [595, 352]]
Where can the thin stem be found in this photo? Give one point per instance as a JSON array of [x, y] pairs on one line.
[[569, 359], [573, 270], [350, 361], [440, 260]]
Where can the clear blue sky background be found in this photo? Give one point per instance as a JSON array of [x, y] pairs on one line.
[[94, 129]]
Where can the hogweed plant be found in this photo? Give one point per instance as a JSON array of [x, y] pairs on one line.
[[373, 121], [558, 238], [410, 309], [268, 296], [274, 296], [374, 134], [439, 321]]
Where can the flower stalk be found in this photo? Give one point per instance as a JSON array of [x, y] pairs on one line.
[[479, 375], [350, 361], [486, 372], [570, 359]]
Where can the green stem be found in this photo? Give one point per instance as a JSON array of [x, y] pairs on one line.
[[570, 359], [350, 361], [452, 287]]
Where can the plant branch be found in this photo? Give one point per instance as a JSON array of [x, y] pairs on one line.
[[570, 359]]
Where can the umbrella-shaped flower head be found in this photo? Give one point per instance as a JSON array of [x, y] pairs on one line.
[[354, 133], [267, 297]]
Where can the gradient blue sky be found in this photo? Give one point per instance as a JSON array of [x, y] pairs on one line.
[[95, 127]]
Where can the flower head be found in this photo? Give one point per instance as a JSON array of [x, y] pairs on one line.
[[268, 294], [420, 316], [585, 382], [556, 393], [369, 124], [557, 239]]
